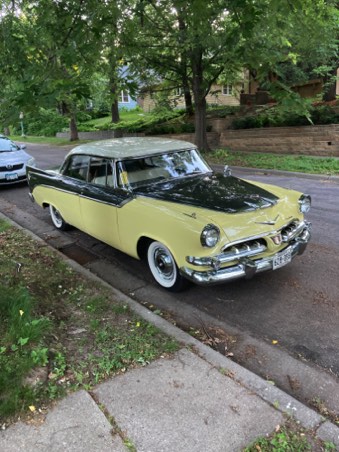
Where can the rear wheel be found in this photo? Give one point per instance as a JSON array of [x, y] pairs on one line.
[[164, 269], [57, 219]]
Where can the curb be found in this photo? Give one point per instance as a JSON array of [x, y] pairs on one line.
[[282, 402]]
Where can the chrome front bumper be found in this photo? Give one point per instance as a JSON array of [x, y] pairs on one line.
[[246, 268]]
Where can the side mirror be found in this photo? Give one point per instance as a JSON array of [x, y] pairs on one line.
[[22, 147], [227, 171]]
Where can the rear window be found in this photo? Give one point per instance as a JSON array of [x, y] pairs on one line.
[[77, 167]]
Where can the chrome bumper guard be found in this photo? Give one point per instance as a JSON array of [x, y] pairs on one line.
[[246, 268]]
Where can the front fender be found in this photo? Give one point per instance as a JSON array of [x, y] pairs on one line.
[[176, 226]]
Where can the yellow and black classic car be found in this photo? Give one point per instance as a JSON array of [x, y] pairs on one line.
[[157, 199]]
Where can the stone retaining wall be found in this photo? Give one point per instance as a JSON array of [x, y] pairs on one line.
[[307, 140], [97, 135], [212, 137]]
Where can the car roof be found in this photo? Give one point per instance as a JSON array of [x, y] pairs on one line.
[[130, 147]]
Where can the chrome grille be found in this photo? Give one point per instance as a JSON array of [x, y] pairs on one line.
[[292, 230], [12, 167], [243, 249]]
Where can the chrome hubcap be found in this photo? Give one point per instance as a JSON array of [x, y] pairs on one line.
[[163, 263]]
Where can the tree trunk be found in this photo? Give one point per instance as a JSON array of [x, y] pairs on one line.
[[115, 104], [199, 101], [200, 124], [183, 58], [330, 86], [73, 128], [188, 99]]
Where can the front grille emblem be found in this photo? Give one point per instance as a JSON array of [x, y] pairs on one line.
[[9, 167], [277, 239]]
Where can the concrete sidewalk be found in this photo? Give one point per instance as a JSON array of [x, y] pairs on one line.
[[180, 404], [197, 401]]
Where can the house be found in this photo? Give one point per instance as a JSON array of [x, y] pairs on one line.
[[245, 92], [219, 95], [125, 99]]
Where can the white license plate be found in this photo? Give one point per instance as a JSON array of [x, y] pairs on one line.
[[282, 259], [11, 176]]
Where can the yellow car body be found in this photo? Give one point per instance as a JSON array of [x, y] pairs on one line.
[[176, 222]]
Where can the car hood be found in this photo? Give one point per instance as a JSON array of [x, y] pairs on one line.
[[13, 157], [214, 192]]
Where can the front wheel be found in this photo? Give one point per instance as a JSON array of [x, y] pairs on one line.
[[163, 268], [57, 219]]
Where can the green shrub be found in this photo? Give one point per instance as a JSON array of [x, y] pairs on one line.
[[222, 111], [324, 115], [44, 123], [273, 117], [170, 128], [143, 124]]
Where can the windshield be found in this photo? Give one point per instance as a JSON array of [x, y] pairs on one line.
[[7, 145], [172, 165]]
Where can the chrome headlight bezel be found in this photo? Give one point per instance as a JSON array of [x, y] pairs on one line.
[[210, 236], [305, 203]]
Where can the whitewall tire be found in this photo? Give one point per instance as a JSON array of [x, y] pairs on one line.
[[57, 219], [164, 268]]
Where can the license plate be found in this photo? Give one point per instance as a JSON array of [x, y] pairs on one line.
[[282, 259], [11, 176]]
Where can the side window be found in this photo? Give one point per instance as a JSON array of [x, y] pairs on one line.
[[77, 167], [100, 172]]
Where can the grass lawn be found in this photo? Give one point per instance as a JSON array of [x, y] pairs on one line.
[[60, 332], [295, 163], [43, 140], [126, 116]]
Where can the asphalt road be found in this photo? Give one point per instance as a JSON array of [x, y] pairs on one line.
[[296, 308]]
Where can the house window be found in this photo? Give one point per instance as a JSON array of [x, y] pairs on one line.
[[123, 97], [227, 90]]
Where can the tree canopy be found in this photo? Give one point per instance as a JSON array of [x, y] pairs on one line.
[[51, 50]]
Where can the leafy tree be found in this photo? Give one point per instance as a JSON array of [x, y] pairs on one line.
[[51, 49], [57, 43], [194, 43]]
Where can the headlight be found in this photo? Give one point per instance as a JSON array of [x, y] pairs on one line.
[[31, 162], [304, 203], [210, 235]]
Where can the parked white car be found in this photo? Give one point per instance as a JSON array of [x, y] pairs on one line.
[[13, 161]]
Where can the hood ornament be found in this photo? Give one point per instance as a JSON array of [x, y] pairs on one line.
[[269, 222]]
